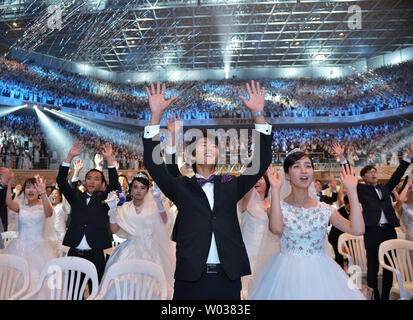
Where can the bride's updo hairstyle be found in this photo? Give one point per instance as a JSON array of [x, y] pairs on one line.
[[293, 158], [141, 177]]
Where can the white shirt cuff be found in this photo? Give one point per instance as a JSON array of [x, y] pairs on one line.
[[151, 131], [407, 160], [263, 128], [109, 167], [170, 149], [75, 179], [65, 164]]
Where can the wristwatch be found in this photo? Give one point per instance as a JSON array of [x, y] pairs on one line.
[[257, 114]]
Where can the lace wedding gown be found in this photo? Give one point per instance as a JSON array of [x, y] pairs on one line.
[[147, 238], [30, 244], [302, 270]]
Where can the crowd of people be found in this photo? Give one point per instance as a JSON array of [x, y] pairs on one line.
[[373, 91], [24, 145], [258, 235]]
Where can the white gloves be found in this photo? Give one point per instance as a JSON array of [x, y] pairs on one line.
[[158, 196]]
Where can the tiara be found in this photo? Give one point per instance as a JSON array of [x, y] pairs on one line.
[[294, 151], [141, 175]]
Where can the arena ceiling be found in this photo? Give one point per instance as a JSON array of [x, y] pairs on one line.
[[154, 35]]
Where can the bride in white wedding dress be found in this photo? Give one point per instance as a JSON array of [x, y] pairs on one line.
[[30, 245], [144, 222], [302, 270]]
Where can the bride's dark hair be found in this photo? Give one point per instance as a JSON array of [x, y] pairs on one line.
[[293, 158]]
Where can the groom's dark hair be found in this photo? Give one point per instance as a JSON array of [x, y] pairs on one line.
[[96, 170]]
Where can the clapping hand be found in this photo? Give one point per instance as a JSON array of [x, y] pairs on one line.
[[256, 100]]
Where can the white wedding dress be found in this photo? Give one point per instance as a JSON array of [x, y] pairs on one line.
[[30, 244], [147, 238], [302, 270], [259, 242]]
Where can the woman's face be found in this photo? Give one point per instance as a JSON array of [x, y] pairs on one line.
[[260, 186], [301, 173], [30, 192], [139, 190], [56, 197]]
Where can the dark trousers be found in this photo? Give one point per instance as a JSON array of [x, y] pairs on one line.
[[333, 239], [211, 286], [96, 256], [373, 237]]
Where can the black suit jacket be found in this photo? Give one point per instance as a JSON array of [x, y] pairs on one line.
[[371, 203], [329, 200], [3, 207], [196, 221], [90, 219], [334, 232]]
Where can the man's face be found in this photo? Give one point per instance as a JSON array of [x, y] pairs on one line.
[[206, 151], [318, 186], [371, 176], [93, 182]]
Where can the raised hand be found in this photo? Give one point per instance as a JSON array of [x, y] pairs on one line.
[[107, 150], [5, 175], [78, 165], [40, 185], [256, 100], [274, 177], [98, 160], [116, 164], [338, 149], [157, 102], [348, 178], [156, 192], [76, 149], [173, 123]]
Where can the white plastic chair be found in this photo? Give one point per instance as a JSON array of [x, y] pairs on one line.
[[399, 254], [8, 236], [134, 280], [352, 248], [14, 277], [59, 272]]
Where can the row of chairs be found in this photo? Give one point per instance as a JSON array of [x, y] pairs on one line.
[[394, 255], [67, 278]]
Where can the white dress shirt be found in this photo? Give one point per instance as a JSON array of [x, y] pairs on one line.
[[153, 130]]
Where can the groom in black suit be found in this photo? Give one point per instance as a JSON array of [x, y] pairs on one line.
[[380, 218], [88, 233], [210, 253]]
